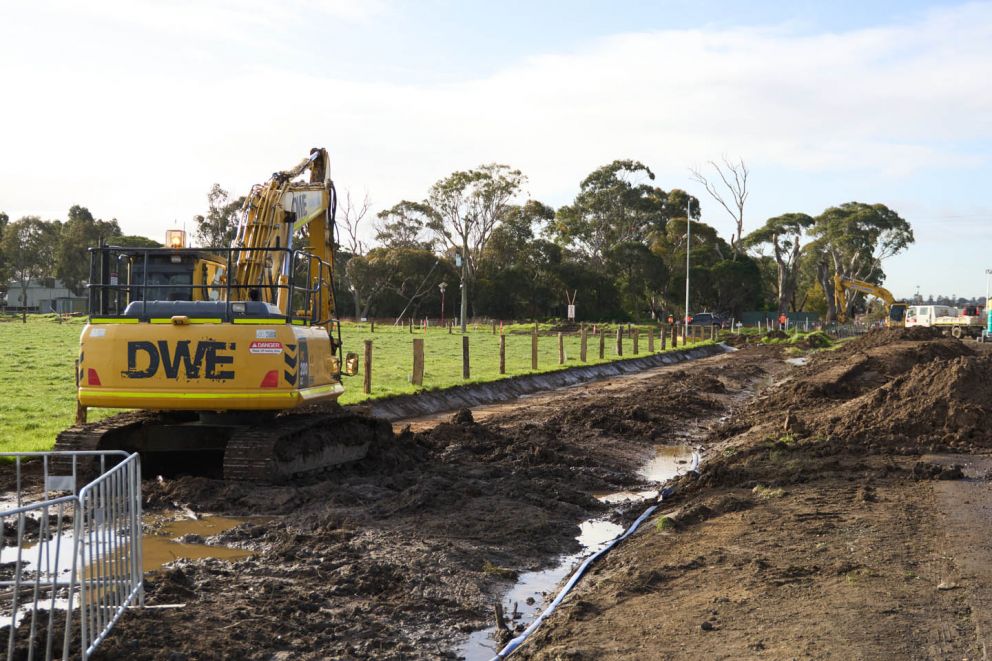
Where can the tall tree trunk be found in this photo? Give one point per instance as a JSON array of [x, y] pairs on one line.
[[464, 286], [24, 302], [783, 288], [826, 282], [358, 306]]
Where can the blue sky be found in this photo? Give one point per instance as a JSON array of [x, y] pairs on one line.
[[135, 107]]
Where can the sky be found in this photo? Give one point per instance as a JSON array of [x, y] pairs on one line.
[[134, 108]]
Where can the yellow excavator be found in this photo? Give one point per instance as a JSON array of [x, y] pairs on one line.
[[231, 355], [895, 312]]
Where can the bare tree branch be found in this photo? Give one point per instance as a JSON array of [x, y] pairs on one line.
[[734, 176], [350, 217]]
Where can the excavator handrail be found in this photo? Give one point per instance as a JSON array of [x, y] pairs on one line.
[[112, 289]]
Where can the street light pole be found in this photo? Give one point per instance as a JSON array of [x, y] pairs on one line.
[[988, 272], [688, 237], [442, 286]]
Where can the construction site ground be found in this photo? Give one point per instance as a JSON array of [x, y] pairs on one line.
[[841, 510]]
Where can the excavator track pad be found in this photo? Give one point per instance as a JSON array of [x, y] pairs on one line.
[[276, 450]]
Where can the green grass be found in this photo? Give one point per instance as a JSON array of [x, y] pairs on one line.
[[812, 339], [37, 392], [392, 356]]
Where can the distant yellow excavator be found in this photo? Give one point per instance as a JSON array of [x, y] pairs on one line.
[[895, 312], [216, 346]]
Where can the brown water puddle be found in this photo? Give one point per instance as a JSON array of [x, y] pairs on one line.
[[161, 547], [669, 461]]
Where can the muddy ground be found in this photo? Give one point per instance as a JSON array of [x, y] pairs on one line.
[[842, 514], [829, 520], [403, 554]]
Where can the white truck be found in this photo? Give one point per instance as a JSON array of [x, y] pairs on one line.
[[966, 322]]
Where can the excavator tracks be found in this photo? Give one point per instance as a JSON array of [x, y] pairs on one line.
[[296, 445], [289, 446]]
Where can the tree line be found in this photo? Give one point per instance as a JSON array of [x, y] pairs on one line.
[[618, 249], [32, 249]]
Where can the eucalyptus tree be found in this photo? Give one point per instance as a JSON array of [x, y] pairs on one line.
[[853, 240], [784, 234], [465, 208]]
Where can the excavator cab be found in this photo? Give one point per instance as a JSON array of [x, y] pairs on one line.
[[897, 315]]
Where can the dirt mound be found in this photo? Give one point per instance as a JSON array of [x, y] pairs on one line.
[[777, 335], [883, 336], [947, 402], [855, 369], [814, 340]]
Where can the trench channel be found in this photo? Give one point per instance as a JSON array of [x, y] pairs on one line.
[[528, 597]]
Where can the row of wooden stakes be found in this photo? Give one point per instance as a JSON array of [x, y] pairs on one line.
[[695, 333]]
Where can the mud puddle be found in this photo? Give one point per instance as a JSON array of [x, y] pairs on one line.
[[525, 601], [669, 461], [169, 541], [173, 540]]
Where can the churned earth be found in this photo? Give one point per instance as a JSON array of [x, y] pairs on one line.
[[842, 514], [841, 511], [403, 554]]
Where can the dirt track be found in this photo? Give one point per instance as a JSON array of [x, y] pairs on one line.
[[828, 521]]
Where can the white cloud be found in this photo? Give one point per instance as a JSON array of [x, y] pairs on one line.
[[886, 102]]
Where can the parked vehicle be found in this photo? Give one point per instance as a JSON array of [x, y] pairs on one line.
[[708, 319], [958, 323]]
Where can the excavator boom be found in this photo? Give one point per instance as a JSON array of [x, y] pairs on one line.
[[895, 313]]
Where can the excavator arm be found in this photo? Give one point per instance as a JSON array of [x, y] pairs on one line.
[[272, 213], [895, 312]]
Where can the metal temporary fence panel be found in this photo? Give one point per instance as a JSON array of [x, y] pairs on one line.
[[70, 562], [38, 577], [110, 550]]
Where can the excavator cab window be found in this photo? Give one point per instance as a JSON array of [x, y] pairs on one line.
[[167, 279]]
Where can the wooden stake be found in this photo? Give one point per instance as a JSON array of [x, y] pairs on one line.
[[367, 377], [675, 336], [418, 362], [465, 368], [650, 340], [533, 349], [619, 340], [561, 348], [661, 334], [502, 354], [602, 344], [583, 342], [635, 335]]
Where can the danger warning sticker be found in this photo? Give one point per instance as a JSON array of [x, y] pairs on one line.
[[265, 347]]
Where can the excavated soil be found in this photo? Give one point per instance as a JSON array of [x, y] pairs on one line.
[[403, 554], [816, 526]]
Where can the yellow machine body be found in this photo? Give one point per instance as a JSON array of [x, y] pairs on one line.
[[220, 344], [192, 364]]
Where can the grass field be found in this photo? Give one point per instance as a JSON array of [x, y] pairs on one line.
[[37, 392]]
